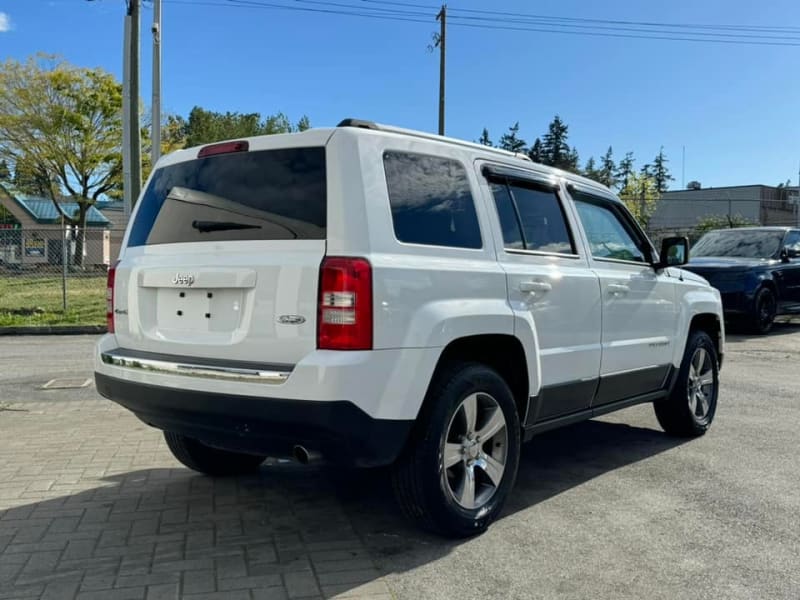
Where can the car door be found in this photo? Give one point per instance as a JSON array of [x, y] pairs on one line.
[[790, 272], [550, 283], [638, 304]]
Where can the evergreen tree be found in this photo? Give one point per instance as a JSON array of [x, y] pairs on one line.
[[511, 140], [571, 162], [484, 139], [624, 171], [606, 174], [555, 149], [660, 171], [535, 153], [590, 170]]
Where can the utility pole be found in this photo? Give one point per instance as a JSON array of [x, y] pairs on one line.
[[127, 203], [156, 124], [440, 43], [130, 84]]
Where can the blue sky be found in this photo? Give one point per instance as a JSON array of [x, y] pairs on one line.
[[736, 108]]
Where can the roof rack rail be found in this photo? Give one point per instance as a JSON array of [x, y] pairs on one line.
[[363, 124]]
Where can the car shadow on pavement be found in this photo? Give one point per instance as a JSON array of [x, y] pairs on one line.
[[297, 531], [737, 333]]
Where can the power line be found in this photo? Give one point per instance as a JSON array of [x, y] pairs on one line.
[[549, 25], [633, 29], [674, 38]]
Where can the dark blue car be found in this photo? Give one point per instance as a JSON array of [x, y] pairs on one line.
[[756, 269]]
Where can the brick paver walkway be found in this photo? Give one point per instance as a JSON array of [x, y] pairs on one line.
[[93, 506]]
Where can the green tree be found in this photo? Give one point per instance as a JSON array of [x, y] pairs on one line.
[[205, 126], [661, 172], [625, 171], [535, 153], [590, 170], [484, 139], [511, 141], [33, 180], [608, 169], [556, 151], [65, 122], [641, 196]]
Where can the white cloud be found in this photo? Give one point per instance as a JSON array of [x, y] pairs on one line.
[[5, 22]]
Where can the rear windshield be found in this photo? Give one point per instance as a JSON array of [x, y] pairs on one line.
[[261, 195]]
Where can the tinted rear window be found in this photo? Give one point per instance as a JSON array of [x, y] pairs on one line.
[[431, 201], [262, 195]]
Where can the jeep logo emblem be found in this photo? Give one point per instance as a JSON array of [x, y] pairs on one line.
[[181, 279]]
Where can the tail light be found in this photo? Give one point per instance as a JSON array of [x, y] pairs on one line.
[[344, 319], [112, 272]]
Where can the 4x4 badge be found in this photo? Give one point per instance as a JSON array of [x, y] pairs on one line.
[[180, 279], [291, 319]]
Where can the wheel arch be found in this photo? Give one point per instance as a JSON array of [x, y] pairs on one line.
[[502, 352], [711, 324]]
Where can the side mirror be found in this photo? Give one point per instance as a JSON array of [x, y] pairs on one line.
[[674, 252], [789, 252]]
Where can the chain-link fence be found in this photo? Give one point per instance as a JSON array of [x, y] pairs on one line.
[[55, 275]]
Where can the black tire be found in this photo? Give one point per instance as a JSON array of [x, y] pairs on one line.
[[422, 484], [210, 461], [677, 413], [765, 307]]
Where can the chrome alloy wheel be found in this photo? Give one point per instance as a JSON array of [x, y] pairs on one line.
[[475, 450], [700, 385]]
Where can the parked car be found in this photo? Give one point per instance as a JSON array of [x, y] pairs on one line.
[[757, 270], [367, 295]]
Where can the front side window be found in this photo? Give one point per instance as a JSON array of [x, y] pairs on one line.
[[608, 235], [431, 201], [531, 218]]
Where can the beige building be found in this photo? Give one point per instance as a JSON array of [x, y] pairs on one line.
[[32, 233]]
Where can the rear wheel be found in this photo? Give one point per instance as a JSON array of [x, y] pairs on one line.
[[764, 311], [461, 463], [211, 461], [689, 409]]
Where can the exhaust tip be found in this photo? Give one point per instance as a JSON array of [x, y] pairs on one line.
[[301, 455]]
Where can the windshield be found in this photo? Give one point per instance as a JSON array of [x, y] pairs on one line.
[[742, 243], [261, 195]]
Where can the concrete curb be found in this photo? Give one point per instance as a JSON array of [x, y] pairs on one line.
[[54, 330]]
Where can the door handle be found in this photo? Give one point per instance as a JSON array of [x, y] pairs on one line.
[[618, 289], [533, 287]]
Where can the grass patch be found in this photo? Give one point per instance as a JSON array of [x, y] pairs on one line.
[[36, 300]]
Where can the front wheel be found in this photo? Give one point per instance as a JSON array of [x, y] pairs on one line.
[[209, 460], [765, 307], [462, 460], [689, 409]]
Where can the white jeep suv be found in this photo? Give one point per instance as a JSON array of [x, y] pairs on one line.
[[374, 296]]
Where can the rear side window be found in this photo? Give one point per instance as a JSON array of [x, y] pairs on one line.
[[531, 218], [261, 195], [431, 201]]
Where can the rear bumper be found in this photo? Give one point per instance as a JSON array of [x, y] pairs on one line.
[[343, 433]]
